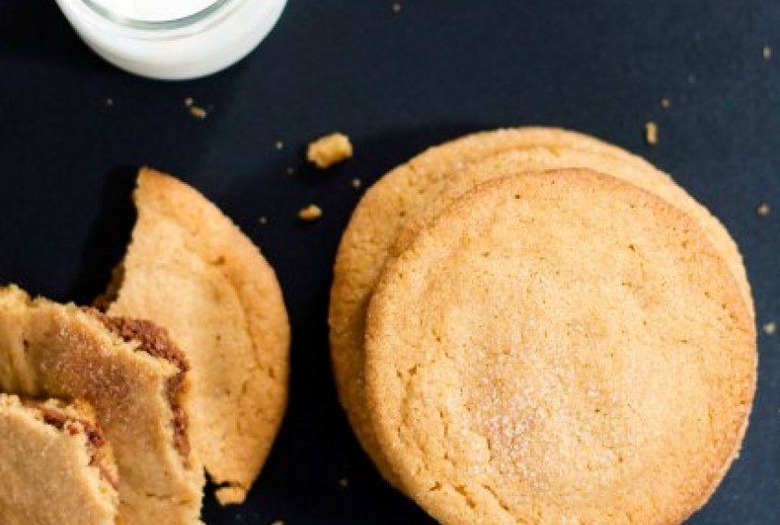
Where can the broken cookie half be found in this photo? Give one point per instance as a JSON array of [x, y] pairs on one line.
[[56, 466], [135, 378], [190, 269]]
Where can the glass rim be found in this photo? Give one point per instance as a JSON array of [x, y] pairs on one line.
[[174, 23]]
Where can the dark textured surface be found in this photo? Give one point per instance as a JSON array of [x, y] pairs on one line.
[[395, 83]]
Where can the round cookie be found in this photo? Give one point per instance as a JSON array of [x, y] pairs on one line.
[[512, 379], [403, 193], [392, 210], [190, 269]]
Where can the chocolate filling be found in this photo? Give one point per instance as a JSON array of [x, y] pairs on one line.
[[154, 340], [95, 438], [57, 419]]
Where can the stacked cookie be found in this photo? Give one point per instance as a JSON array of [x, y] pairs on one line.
[[184, 373], [532, 326]]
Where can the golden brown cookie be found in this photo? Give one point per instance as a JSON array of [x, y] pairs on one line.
[[456, 184], [190, 269], [393, 210], [401, 194], [132, 374], [560, 348], [55, 464]]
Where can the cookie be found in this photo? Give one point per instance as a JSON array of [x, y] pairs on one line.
[[133, 376], [396, 206], [456, 184], [190, 269], [560, 347], [399, 195], [56, 466]]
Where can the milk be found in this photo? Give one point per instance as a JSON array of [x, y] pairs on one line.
[[154, 10], [172, 39]]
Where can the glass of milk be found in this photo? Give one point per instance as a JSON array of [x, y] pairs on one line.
[[172, 39]]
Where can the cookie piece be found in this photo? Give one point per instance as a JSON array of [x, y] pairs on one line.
[[560, 347], [57, 467], [329, 150], [190, 269], [404, 199], [132, 374]]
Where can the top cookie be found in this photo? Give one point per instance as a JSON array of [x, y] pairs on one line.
[[190, 269], [392, 211], [560, 348]]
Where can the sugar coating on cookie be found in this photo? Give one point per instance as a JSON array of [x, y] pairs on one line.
[[560, 348], [190, 269], [56, 465]]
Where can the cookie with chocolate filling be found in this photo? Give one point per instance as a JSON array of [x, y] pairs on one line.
[[132, 374], [190, 269], [56, 466]]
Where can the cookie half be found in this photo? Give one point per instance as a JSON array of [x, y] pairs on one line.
[[394, 209], [56, 465], [560, 348], [190, 269], [133, 376]]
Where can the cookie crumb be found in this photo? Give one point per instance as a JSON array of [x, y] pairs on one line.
[[770, 328], [344, 483], [290, 170], [666, 103], [312, 212], [396, 7], [263, 220], [357, 183], [329, 150], [189, 101], [763, 209], [279, 145], [651, 133], [767, 53], [198, 112]]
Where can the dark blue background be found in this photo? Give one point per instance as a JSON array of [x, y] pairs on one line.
[[396, 83]]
